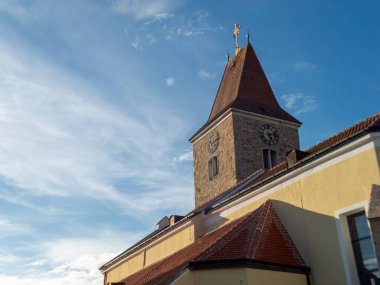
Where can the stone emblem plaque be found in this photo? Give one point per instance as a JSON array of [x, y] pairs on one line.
[[213, 142]]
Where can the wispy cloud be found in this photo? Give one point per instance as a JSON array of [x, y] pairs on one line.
[[136, 42], [151, 39], [145, 9], [299, 103], [195, 26], [275, 77], [185, 156], [170, 81], [304, 65], [38, 262], [60, 142], [71, 261], [14, 8], [203, 74], [8, 228]]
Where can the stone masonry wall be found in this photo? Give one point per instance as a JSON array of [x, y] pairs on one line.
[[249, 146], [240, 153], [204, 189]]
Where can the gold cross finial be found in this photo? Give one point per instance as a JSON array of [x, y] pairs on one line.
[[248, 36], [235, 36]]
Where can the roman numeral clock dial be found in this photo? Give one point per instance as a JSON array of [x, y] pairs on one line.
[[269, 134]]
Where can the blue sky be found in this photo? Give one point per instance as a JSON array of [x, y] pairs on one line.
[[99, 98]]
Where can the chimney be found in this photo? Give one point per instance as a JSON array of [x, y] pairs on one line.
[[163, 223], [295, 155], [175, 218]]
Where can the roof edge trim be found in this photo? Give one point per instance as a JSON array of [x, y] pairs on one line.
[[249, 263]]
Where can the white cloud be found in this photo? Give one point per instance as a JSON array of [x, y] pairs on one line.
[[201, 15], [151, 39], [144, 9], [7, 228], [170, 81], [139, 41], [163, 16], [299, 103], [7, 258], [59, 141], [185, 156], [71, 261], [159, 18], [38, 262], [192, 33], [136, 42], [14, 8], [197, 25], [304, 65], [203, 74]]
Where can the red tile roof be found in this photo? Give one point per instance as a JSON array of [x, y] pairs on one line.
[[244, 86], [373, 121], [258, 236]]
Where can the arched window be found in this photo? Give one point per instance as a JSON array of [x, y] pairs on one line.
[[212, 167], [270, 158]]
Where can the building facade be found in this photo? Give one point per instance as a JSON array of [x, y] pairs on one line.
[[265, 211]]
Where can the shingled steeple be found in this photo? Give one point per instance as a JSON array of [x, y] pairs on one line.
[[247, 130], [244, 86]]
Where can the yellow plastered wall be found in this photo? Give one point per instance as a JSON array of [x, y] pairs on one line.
[[126, 268], [170, 245], [240, 276], [267, 277], [307, 208], [152, 254]]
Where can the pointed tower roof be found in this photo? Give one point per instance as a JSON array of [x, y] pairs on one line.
[[244, 86]]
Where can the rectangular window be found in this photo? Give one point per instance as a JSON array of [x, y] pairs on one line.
[[212, 167], [273, 158], [362, 246], [270, 158]]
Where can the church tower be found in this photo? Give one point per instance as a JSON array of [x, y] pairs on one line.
[[247, 129]]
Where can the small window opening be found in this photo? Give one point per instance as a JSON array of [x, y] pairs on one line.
[[270, 158], [362, 246], [212, 167]]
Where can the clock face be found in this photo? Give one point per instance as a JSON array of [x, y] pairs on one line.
[[269, 134]]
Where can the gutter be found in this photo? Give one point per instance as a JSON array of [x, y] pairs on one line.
[[249, 263], [144, 242]]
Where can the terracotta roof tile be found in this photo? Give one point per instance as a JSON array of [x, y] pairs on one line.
[[350, 132], [244, 86], [259, 235]]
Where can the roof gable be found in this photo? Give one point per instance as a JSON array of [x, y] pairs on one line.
[[259, 236]]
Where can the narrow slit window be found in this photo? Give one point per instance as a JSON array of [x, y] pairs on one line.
[[212, 167]]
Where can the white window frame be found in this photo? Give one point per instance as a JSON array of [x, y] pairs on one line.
[[346, 250]]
